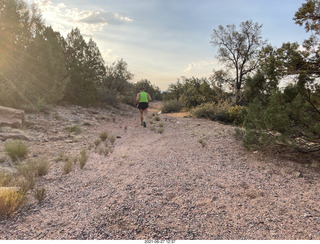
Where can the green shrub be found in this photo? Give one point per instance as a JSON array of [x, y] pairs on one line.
[[16, 149], [110, 97], [237, 114], [206, 110], [214, 111], [239, 133], [172, 106], [157, 118]]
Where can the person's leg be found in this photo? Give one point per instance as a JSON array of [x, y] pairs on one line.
[[141, 115], [145, 112]]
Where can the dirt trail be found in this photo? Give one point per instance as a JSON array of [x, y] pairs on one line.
[[167, 186]]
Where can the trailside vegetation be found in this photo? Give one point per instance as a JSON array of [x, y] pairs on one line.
[[39, 67]]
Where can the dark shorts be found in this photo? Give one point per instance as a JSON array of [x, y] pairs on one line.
[[143, 105]]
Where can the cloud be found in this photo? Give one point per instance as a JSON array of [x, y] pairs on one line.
[[63, 18], [108, 57], [199, 65]]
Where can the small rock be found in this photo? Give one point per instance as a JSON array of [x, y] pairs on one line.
[[298, 174]]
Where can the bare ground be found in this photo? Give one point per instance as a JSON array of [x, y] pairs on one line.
[[163, 186]]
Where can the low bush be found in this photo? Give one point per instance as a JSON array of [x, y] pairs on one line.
[[206, 110], [213, 111], [10, 200], [237, 114], [16, 150], [172, 106]]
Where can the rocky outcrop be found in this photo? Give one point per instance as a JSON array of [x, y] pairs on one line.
[[11, 116]]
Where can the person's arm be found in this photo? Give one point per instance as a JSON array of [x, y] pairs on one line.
[[149, 97], [137, 99]]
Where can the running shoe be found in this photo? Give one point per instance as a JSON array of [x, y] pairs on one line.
[[144, 124]]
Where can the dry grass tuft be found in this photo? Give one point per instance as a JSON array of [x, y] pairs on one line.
[[10, 200], [16, 149], [83, 158], [104, 135], [67, 166], [40, 194]]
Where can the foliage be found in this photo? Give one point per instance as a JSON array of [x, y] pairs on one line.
[[237, 114], [117, 76], [171, 106], [214, 111], [112, 139], [67, 166], [290, 117], [32, 59], [83, 65], [73, 129], [34, 168], [10, 200], [285, 118], [160, 130], [153, 90], [196, 91], [239, 50], [97, 142], [39, 67], [16, 149], [309, 16], [83, 158], [40, 194], [104, 135]]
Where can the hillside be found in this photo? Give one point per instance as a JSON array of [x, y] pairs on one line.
[[192, 181]]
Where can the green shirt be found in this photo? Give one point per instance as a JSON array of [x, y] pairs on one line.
[[143, 97]]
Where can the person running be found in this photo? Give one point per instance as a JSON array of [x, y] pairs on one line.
[[142, 102]]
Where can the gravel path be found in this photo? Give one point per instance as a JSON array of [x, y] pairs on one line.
[[167, 186]]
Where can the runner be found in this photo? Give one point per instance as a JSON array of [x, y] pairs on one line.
[[142, 102]]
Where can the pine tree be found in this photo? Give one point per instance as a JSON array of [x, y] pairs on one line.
[[81, 89]]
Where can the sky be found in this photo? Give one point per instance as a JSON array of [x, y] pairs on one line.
[[162, 40]]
